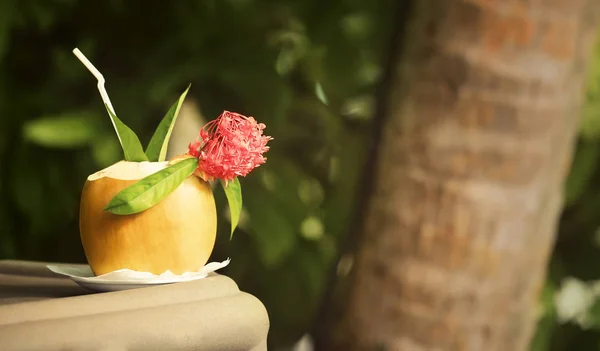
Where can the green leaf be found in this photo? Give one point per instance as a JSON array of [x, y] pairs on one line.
[[157, 147], [583, 166], [233, 192], [63, 131], [320, 93], [130, 143], [275, 219], [150, 190]]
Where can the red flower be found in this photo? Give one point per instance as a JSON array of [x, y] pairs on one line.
[[231, 145]]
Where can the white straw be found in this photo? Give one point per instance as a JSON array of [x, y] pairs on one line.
[[100, 79]]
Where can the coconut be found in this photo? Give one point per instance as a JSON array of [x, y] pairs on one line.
[[177, 234]]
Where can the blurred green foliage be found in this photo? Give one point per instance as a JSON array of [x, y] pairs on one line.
[[305, 68]]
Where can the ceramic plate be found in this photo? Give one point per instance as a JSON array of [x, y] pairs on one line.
[[124, 279]]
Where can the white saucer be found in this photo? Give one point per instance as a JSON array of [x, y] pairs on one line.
[[124, 279]]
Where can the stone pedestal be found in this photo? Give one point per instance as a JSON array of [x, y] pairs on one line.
[[40, 310]]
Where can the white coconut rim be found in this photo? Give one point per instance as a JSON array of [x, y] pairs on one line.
[[126, 170]]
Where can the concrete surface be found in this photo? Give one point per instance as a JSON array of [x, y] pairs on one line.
[[40, 310]]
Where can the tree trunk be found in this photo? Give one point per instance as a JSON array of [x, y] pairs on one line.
[[461, 220]]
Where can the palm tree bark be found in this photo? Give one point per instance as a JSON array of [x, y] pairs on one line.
[[478, 138]]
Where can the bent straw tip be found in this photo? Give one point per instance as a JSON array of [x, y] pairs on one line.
[[89, 65], [80, 55]]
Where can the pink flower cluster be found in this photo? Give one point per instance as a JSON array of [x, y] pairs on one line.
[[231, 145]]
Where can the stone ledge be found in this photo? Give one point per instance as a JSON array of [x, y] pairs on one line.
[[44, 311]]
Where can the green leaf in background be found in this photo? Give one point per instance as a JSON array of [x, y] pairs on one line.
[[233, 192], [274, 235], [63, 131], [130, 143], [106, 150], [320, 93], [589, 124], [152, 189], [157, 147], [583, 166]]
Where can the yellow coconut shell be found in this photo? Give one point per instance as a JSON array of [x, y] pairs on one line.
[[177, 234]]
